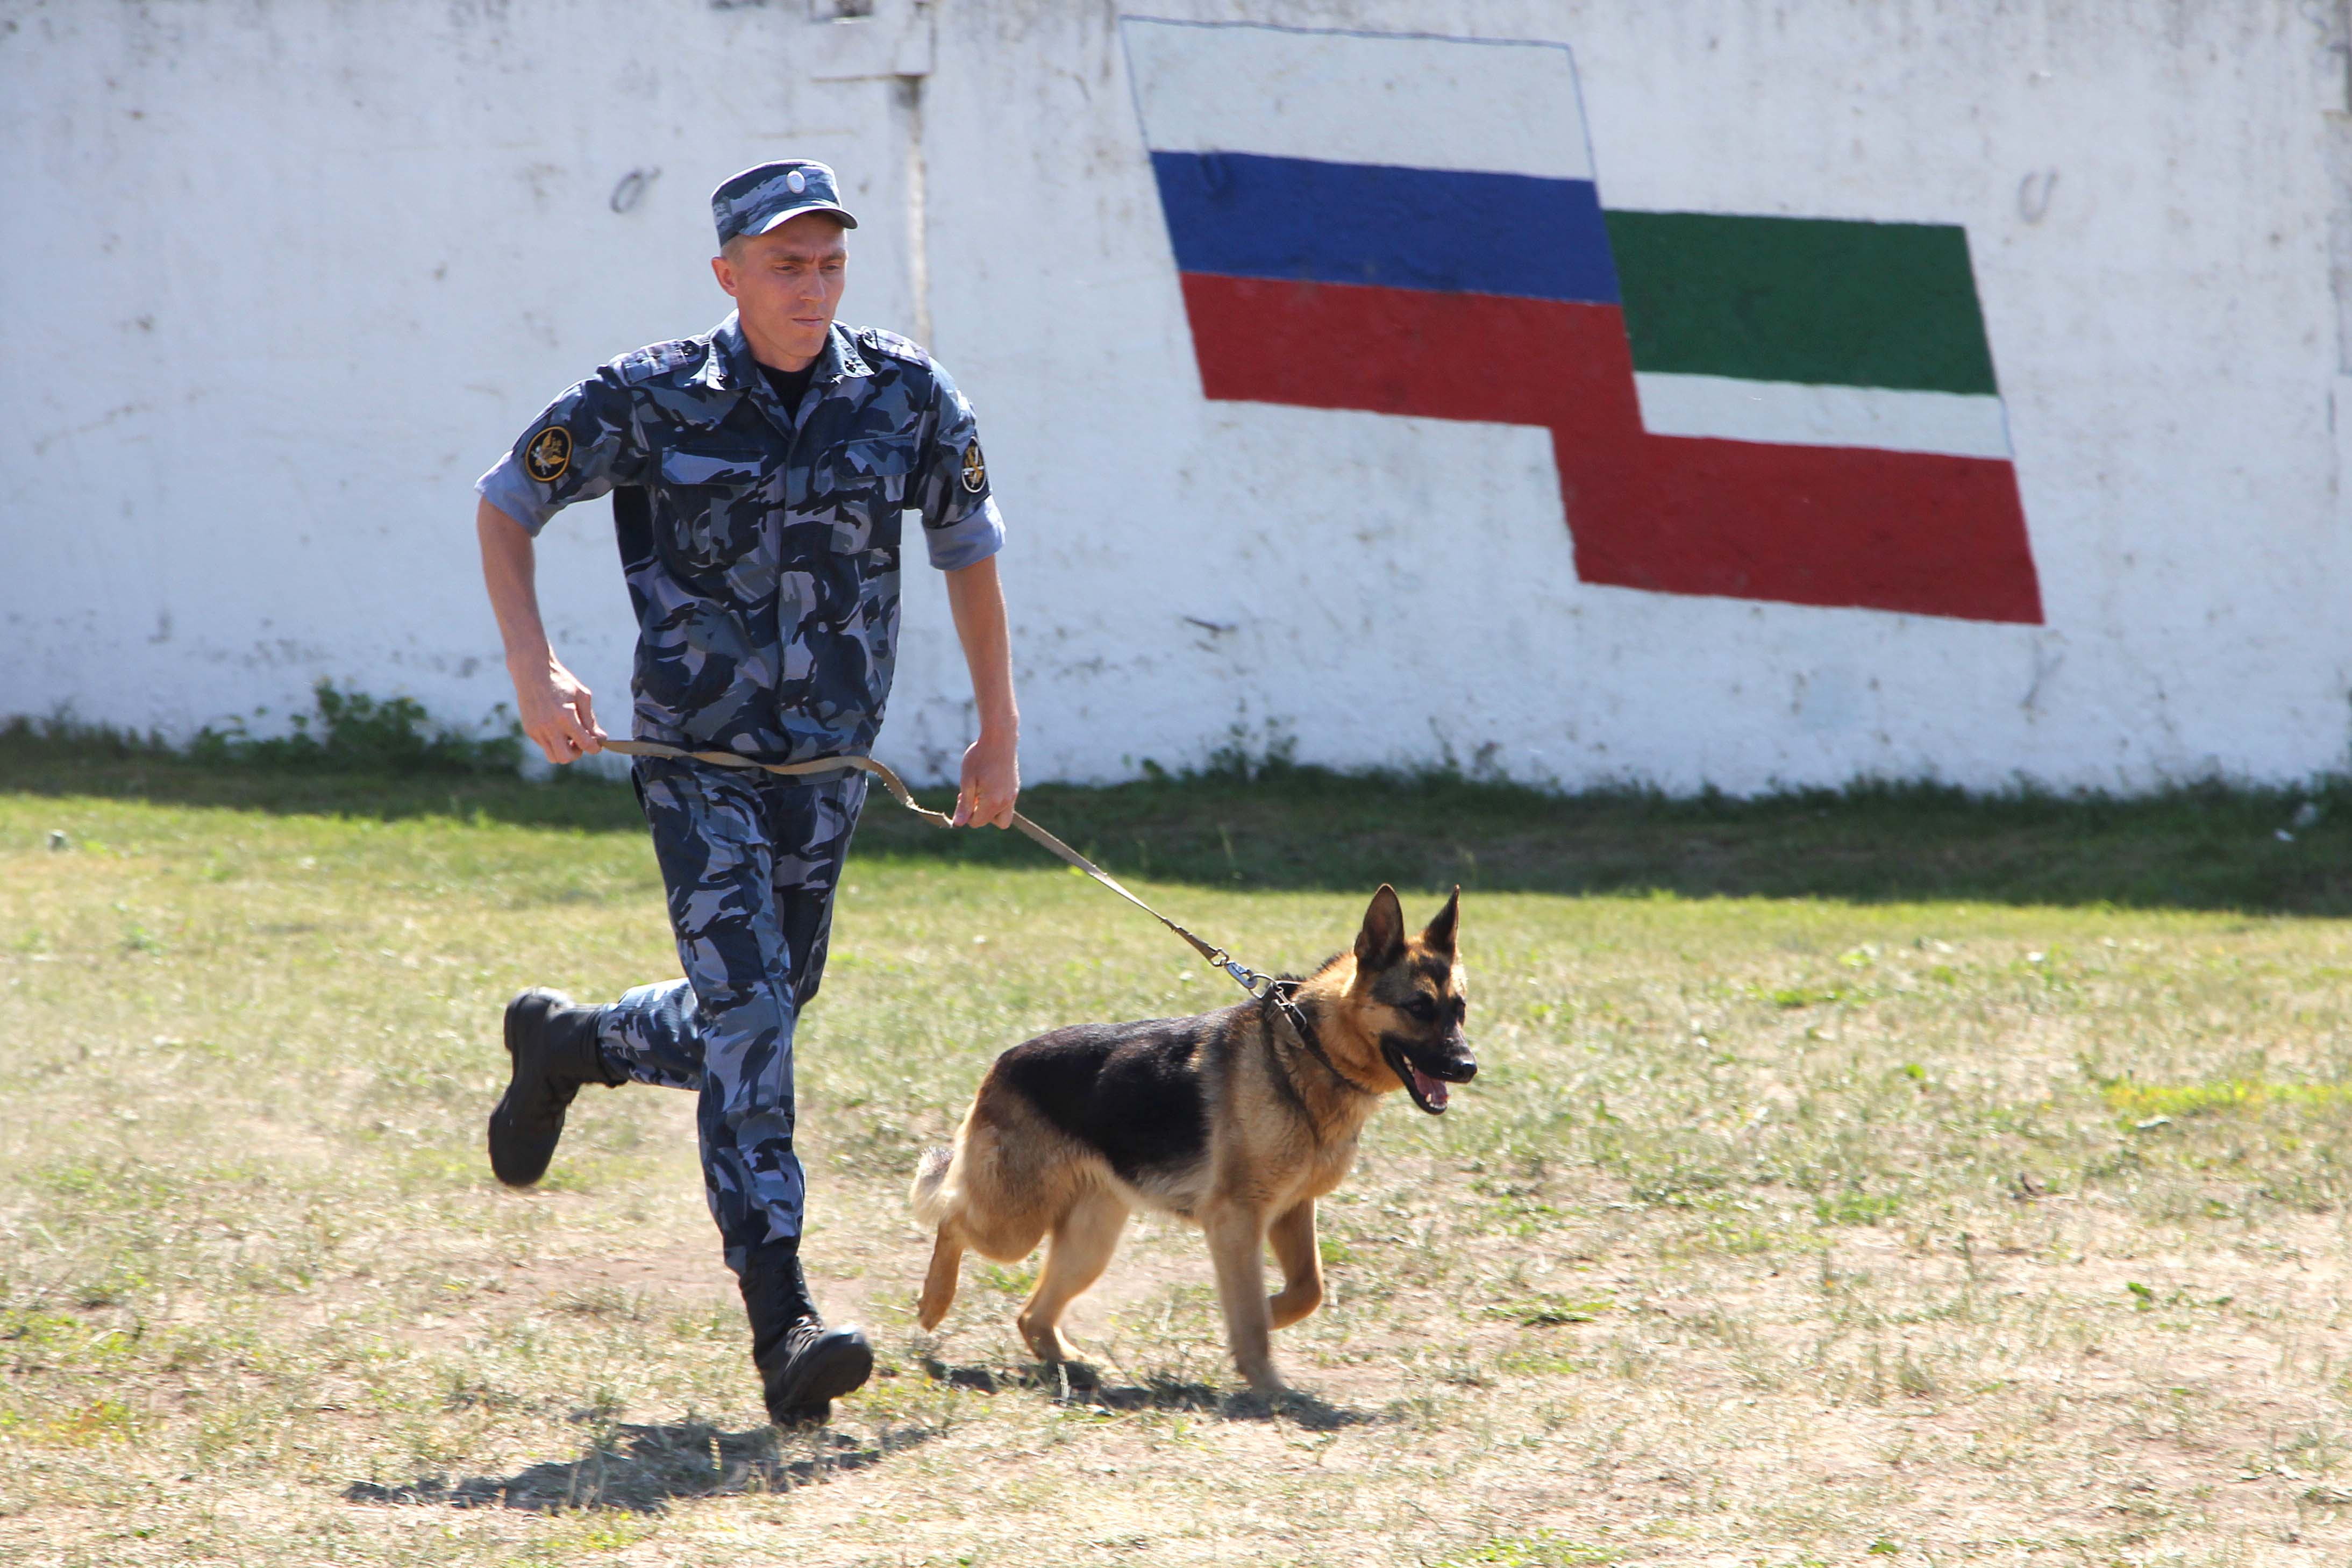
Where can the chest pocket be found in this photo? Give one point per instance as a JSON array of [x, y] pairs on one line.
[[869, 482], [716, 503]]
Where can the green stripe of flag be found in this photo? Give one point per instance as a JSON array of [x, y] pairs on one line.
[[1820, 301]]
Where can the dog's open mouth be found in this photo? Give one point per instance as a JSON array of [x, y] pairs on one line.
[[1428, 1092]]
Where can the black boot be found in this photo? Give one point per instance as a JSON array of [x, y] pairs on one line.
[[803, 1365], [552, 1046]]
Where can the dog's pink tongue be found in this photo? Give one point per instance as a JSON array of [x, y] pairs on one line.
[[1431, 1089]]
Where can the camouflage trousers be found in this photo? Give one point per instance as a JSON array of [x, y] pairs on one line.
[[749, 862]]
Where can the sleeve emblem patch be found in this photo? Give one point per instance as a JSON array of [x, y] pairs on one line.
[[548, 455], [975, 471]]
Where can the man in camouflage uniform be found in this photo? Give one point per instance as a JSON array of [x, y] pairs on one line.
[[759, 475]]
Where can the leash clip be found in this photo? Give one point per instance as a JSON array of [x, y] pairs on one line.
[[1250, 979]]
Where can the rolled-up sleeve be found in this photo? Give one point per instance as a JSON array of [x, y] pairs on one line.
[[961, 524], [579, 448]]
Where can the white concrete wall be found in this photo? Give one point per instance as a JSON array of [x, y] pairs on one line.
[[282, 277]]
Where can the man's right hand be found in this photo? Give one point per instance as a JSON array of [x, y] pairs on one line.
[[548, 699], [555, 711]]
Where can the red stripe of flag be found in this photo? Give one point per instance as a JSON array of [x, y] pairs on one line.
[[1835, 526]]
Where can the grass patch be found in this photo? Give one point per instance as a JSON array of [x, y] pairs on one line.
[[2151, 1099], [1544, 1549], [1802, 1207], [1551, 1311], [76, 1426]]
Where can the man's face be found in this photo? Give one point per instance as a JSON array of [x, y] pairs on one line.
[[787, 284]]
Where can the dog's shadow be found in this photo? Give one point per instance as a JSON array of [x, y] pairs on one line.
[[1082, 1383], [641, 1470]]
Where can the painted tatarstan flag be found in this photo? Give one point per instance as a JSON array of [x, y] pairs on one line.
[[1791, 409]]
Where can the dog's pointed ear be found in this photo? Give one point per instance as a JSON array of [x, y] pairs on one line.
[[1381, 942], [1440, 933]]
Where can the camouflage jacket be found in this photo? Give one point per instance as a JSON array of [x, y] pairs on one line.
[[762, 543]]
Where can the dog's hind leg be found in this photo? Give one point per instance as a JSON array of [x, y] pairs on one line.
[[1292, 1237], [940, 1284], [1084, 1238], [1237, 1247]]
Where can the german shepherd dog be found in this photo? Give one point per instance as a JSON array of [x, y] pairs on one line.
[[1236, 1120]]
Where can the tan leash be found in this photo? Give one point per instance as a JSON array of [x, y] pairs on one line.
[[1265, 988], [1248, 979]]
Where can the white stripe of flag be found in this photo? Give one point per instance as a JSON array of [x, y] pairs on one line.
[[1793, 414], [1356, 98]]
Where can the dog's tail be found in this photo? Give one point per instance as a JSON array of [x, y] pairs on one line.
[[926, 1197], [932, 1202]]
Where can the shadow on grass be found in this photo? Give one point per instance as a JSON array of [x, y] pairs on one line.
[[2265, 851], [1081, 1383], [642, 1469]]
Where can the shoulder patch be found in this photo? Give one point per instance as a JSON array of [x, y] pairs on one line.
[[876, 341], [654, 360], [548, 455]]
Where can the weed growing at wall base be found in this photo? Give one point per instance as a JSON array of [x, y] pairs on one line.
[[354, 730], [348, 731]]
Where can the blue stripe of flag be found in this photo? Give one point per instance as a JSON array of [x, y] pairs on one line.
[[1246, 216]]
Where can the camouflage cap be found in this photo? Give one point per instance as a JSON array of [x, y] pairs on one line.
[[766, 194]]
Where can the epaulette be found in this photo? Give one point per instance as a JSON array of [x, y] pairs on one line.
[[877, 341], [640, 366]]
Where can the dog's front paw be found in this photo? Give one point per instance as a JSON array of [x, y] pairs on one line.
[[1046, 1343], [1265, 1381]]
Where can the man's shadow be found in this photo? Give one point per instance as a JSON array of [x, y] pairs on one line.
[[642, 1469], [1079, 1383]]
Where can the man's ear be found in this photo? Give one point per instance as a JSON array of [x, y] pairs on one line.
[[1440, 932], [1380, 943], [723, 266]]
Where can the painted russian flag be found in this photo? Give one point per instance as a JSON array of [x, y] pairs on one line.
[[1792, 409]]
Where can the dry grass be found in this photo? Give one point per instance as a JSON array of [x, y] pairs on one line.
[[1774, 1232]]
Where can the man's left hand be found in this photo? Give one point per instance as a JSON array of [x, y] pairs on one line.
[[992, 782]]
